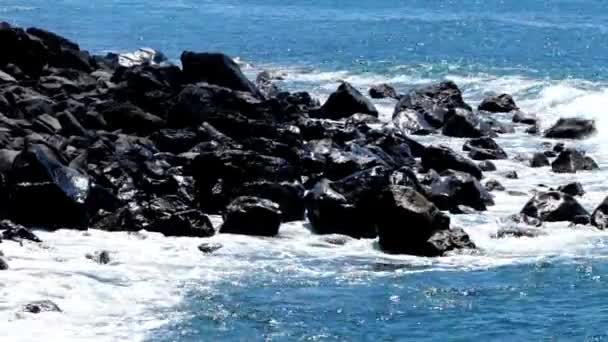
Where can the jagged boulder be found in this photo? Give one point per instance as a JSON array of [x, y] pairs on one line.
[[484, 148], [382, 91], [452, 188]]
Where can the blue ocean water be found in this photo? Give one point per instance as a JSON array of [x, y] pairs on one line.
[[551, 54]]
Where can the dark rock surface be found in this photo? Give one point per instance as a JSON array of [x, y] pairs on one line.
[[344, 102], [572, 160], [502, 103], [442, 158], [571, 128], [555, 206], [41, 306], [599, 217], [382, 91], [252, 216], [572, 189]]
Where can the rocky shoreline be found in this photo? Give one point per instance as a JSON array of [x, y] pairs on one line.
[[129, 143]]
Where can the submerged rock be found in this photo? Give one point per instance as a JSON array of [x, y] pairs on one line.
[[209, 247], [41, 306], [344, 102], [252, 216], [3, 264], [494, 185], [571, 128], [100, 257], [502, 103], [555, 206], [518, 232], [539, 160], [487, 165], [16, 232]]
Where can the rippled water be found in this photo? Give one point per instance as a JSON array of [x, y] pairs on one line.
[[551, 55]]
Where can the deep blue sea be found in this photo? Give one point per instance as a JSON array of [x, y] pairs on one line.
[[552, 55]]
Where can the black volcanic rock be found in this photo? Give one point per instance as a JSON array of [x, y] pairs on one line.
[[433, 102], [555, 206], [571, 128], [215, 68], [382, 91], [572, 160], [344, 102], [599, 218], [252, 216], [502, 103], [453, 188], [442, 158]]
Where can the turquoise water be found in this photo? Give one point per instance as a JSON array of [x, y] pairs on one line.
[[552, 55]]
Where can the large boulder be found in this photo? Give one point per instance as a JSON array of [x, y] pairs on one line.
[[346, 206], [289, 197], [453, 188], [502, 103], [215, 68], [539, 160], [599, 218], [572, 160], [26, 52], [441, 158], [252, 216], [344, 102], [554, 206], [410, 224], [572, 189], [43, 191], [462, 123], [130, 118], [571, 128], [220, 173], [484, 148], [382, 91], [410, 121], [433, 102]]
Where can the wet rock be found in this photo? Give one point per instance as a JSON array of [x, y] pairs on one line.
[[511, 175], [554, 206], [441, 158], [130, 118], [209, 247], [571, 160], [362, 119], [41, 306], [27, 53], [175, 140], [219, 173], [411, 121], [264, 83], [462, 123], [37, 179], [100, 257], [518, 232], [533, 130], [572, 189], [599, 218], [344, 102], [453, 188], [494, 185], [484, 148], [215, 68], [571, 128], [3, 264], [539, 160], [559, 147], [409, 224], [433, 102], [525, 219], [70, 125], [382, 91], [525, 118], [344, 207], [289, 197], [502, 103], [487, 165], [16, 232], [252, 216]]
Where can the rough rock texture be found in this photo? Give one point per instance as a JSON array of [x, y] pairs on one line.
[[599, 218], [555, 206], [502, 103], [571, 160], [252, 216], [571, 128], [441, 158], [346, 101], [382, 91], [41, 306]]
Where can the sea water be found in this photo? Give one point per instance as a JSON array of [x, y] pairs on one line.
[[552, 56]]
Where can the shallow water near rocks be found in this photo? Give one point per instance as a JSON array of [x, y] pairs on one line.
[[550, 55]]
